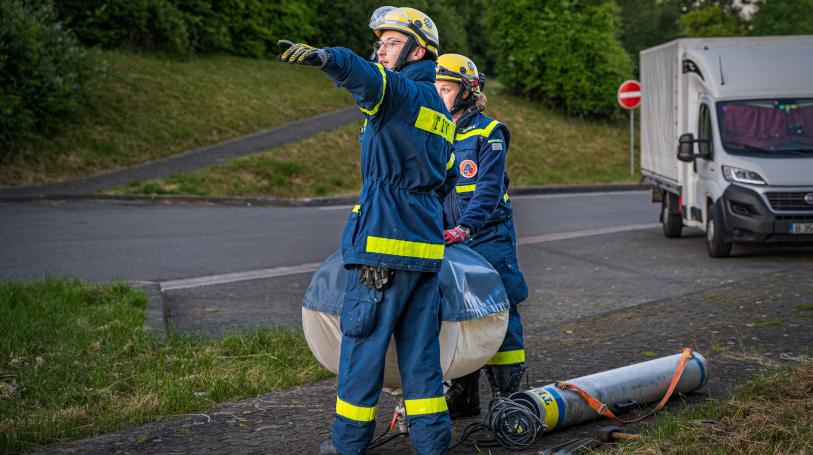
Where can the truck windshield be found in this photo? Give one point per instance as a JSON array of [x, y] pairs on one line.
[[767, 127]]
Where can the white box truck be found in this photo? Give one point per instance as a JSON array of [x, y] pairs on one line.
[[727, 138]]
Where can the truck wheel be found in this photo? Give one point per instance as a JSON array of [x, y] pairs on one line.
[[672, 223], [715, 243]]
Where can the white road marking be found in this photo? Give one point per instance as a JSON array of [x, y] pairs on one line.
[[566, 195], [584, 233], [311, 267], [528, 196], [239, 276], [336, 207]]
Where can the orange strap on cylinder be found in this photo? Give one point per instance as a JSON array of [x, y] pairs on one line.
[[602, 408]]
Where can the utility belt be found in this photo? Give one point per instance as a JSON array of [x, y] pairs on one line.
[[494, 221]]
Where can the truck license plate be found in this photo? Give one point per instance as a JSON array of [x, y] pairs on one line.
[[800, 228]]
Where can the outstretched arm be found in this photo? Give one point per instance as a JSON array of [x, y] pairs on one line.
[[366, 81]]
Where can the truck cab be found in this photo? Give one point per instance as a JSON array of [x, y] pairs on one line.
[[727, 138]]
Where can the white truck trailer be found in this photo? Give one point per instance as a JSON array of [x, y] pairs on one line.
[[727, 138]]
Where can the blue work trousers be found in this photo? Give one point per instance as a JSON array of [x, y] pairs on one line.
[[498, 245], [409, 311]]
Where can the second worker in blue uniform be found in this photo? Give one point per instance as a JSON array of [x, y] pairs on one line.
[[478, 214]]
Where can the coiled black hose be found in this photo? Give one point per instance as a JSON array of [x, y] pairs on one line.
[[511, 425]]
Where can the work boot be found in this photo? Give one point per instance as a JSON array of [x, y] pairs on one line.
[[504, 379], [463, 396], [327, 448]]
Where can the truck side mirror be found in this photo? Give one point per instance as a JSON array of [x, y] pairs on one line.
[[686, 148]]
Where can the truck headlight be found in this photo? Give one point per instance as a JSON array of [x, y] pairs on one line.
[[735, 174]]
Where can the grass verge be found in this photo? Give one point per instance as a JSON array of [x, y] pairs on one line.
[[147, 107], [546, 148], [75, 361], [772, 414]]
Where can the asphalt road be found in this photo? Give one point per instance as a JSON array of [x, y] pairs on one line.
[[103, 241]]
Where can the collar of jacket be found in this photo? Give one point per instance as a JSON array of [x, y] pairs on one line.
[[420, 71], [468, 116]]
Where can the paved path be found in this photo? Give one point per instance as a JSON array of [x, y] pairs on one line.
[[192, 160]]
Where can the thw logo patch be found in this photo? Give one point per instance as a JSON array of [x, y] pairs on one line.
[[468, 168]]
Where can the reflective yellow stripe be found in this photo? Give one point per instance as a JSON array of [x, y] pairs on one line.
[[358, 413], [479, 131], [425, 406], [507, 357], [356, 208], [383, 90], [505, 197], [450, 163], [465, 188], [435, 123], [404, 248]]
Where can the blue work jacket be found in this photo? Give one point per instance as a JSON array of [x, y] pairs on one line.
[[407, 165], [481, 194]]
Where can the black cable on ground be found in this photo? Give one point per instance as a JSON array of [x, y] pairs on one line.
[[380, 442], [511, 425]]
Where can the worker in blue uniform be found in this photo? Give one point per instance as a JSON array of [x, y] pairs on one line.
[[393, 241], [478, 214]]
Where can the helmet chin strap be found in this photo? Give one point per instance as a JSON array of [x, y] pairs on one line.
[[459, 102], [409, 46]]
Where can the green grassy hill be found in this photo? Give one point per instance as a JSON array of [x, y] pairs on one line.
[[546, 148], [147, 107]]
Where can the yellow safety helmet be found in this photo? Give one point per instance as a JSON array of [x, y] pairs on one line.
[[409, 21], [461, 69]]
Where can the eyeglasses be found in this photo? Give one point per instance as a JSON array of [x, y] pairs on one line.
[[387, 45]]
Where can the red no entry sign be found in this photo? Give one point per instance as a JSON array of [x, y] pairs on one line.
[[629, 94]]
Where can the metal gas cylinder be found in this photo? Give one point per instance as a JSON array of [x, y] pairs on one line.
[[619, 389]]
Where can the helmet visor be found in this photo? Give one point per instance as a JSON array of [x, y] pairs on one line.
[[447, 74], [389, 16], [469, 82]]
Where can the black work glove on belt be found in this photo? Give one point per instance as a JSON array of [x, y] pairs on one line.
[[377, 278]]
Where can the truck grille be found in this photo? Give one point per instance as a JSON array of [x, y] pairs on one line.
[[789, 201]]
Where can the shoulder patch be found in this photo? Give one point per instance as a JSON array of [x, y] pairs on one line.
[[496, 145], [468, 168]]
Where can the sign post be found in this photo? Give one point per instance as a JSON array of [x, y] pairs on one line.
[[629, 97]]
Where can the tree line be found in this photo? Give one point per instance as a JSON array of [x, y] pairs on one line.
[[569, 54]]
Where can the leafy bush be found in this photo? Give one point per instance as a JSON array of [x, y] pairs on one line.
[[783, 18], [712, 20], [44, 73], [241, 27], [564, 51], [248, 27], [647, 23], [134, 24], [244, 27]]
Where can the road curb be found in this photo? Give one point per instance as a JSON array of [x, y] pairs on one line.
[[155, 318], [265, 201]]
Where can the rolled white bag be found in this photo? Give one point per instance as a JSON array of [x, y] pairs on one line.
[[474, 312]]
